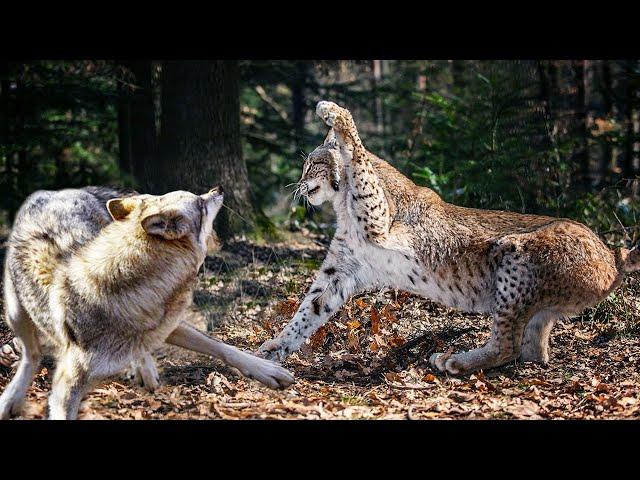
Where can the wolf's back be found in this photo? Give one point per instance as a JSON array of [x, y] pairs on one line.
[[49, 227], [68, 218]]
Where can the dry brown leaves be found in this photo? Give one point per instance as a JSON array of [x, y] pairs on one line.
[[371, 360]]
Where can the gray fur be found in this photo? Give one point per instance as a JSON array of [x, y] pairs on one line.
[[103, 286]]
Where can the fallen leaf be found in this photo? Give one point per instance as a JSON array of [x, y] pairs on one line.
[[375, 320]]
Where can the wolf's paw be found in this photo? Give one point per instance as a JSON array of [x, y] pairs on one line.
[[144, 373], [10, 406], [446, 363], [10, 353], [269, 373]]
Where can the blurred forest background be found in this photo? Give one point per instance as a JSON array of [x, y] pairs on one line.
[[554, 137]]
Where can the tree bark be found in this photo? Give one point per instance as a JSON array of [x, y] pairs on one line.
[[298, 100], [376, 68], [607, 106], [628, 167], [143, 134], [200, 139], [581, 154], [124, 129]]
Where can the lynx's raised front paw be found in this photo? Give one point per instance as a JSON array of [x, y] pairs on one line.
[[447, 363], [332, 114]]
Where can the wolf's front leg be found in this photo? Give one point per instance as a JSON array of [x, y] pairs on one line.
[[336, 282], [269, 373]]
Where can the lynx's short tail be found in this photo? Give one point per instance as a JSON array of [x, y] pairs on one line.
[[628, 260]]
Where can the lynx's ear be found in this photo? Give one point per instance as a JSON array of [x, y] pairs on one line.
[[169, 225], [331, 140], [119, 208]]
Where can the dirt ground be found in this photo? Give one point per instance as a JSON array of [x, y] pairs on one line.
[[371, 360]]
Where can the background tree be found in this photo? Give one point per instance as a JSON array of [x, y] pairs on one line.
[[200, 139], [559, 137]]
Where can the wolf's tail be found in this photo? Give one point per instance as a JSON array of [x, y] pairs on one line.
[[628, 260]]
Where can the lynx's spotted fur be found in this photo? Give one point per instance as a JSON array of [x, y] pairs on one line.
[[524, 270]]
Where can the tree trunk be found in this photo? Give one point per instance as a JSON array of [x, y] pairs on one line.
[[200, 139], [581, 154], [457, 74], [124, 129], [298, 100], [378, 109], [607, 106], [6, 181], [628, 167], [143, 126]]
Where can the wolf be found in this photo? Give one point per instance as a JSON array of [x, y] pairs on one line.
[[103, 277]]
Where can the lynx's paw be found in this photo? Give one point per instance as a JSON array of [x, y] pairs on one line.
[[333, 115], [446, 363], [274, 350]]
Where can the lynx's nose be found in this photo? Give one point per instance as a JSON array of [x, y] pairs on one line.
[[217, 190]]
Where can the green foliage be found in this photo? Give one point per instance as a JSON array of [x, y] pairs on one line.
[[487, 134], [61, 129]]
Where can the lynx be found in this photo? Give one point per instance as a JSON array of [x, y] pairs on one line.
[[526, 271]]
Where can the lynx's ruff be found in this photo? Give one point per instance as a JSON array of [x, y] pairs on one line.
[[103, 287], [524, 270]]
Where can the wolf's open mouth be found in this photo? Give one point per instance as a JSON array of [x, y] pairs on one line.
[[313, 190]]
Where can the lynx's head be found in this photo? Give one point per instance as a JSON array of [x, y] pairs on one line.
[[322, 172], [174, 217]]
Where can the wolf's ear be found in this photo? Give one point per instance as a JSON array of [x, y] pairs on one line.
[[119, 208], [331, 140], [169, 225]]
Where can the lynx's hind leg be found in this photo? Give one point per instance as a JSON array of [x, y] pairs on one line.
[[511, 310], [535, 343], [12, 399], [502, 347]]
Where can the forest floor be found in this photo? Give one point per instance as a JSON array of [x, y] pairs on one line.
[[371, 360]]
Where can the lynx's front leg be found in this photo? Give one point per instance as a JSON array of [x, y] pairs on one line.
[[367, 195], [336, 282]]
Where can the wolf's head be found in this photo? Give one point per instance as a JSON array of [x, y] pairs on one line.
[[174, 217]]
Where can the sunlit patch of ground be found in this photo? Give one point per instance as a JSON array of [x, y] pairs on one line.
[[370, 361]]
